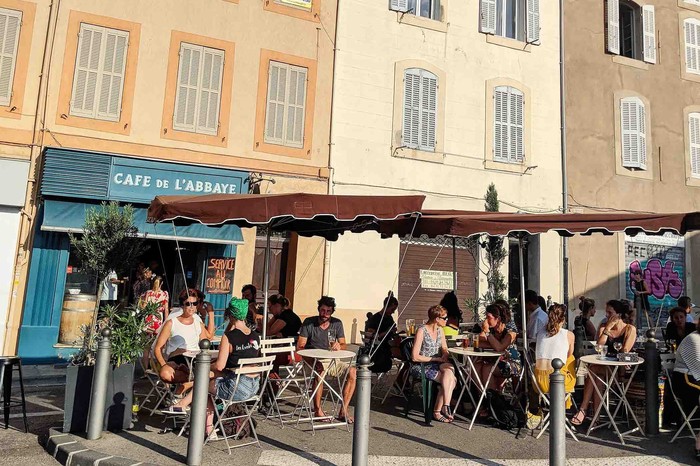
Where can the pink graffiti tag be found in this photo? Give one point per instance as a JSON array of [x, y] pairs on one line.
[[660, 278]]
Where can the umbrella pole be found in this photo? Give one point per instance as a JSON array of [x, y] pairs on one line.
[[454, 264], [523, 311], [266, 283]]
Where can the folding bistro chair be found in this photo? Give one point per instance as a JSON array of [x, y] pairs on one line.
[[428, 387], [688, 419], [290, 383], [161, 391]]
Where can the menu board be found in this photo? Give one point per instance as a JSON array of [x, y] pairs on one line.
[[219, 278]]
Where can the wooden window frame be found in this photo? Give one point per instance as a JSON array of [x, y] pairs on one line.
[[314, 14], [19, 79]]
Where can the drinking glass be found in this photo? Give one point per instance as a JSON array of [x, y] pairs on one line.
[[410, 324], [618, 346], [672, 345], [476, 341], [600, 349], [331, 339]]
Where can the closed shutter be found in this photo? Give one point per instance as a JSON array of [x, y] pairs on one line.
[[398, 5], [533, 21], [694, 138], [487, 16], [509, 118], [692, 45], [420, 109], [411, 108], [112, 76], [10, 21], [210, 91], [187, 84], [500, 130], [649, 27], [632, 116], [429, 89], [612, 20], [286, 104], [87, 68], [295, 108], [276, 98]]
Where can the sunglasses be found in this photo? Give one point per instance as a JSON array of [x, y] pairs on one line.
[[442, 317], [190, 303]]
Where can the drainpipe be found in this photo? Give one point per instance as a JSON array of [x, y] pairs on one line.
[[564, 183]]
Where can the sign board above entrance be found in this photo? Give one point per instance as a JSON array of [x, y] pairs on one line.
[[436, 280]]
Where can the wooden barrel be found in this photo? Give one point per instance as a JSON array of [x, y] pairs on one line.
[[78, 310]]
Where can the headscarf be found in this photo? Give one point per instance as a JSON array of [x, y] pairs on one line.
[[238, 308]]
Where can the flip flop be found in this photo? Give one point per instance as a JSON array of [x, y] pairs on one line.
[[348, 419]]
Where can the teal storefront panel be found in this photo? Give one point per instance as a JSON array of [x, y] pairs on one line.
[[220, 301]]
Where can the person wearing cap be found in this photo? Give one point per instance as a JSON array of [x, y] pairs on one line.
[[684, 302]]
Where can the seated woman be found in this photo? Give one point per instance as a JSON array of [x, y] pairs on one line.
[[430, 348], [454, 314], [555, 343], [686, 376], [498, 335], [584, 320], [284, 322], [614, 330], [678, 328], [382, 324]]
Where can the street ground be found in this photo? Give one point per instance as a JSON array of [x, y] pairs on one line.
[[394, 439]]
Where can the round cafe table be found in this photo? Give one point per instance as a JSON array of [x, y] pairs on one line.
[[614, 389], [191, 355], [311, 358]]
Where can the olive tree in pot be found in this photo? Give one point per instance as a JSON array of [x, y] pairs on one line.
[[109, 242]]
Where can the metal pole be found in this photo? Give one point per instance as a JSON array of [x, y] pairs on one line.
[[266, 283], [557, 426], [454, 264], [651, 358], [564, 169], [360, 434], [96, 415], [198, 412], [523, 311]]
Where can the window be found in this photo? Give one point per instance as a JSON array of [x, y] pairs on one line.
[[694, 141], [692, 45], [631, 30], [508, 131], [10, 21], [419, 109], [303, 4], [423, 8], [633, 132], [98, 80], [514, 19], [286, 104], [198, 97]]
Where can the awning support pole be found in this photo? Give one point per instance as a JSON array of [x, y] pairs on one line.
[[266, 282], [454, 264], [523, 311]]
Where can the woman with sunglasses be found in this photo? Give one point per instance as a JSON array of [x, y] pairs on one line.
[[430, 349], [497, 334]]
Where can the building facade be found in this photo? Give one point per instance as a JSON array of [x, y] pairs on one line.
[[443, 98], [633, 142], [127, 100]]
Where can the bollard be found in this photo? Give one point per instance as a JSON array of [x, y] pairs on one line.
[[557, 413], [360, 433], [96, 414], [198, 410], [651, 386]]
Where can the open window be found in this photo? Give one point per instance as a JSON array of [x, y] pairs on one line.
[[631, 30], [429, 9], [513, 19]]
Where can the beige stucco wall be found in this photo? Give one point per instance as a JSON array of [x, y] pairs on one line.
[[366, 158], [593, 80]]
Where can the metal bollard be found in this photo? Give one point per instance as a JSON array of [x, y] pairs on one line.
[[651, 389], [360, 433], [96, 415], [557, 413], [198, 411]]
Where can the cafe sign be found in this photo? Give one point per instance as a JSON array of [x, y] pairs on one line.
[[440, 280]]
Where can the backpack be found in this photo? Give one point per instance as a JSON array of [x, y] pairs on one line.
[[505, 415]]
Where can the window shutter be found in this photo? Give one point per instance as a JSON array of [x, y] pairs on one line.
[[500, 129], [487, 13], [516, 152], [86, 71], [187, 84], [294, 135], [411, 108], [612, 14], [210, 91], [633, 115], [692, 45], [428, 110], [112, 76], [276, 98], [508, 131], [694, 137], [10, 21], [398, 5], [641, 118], [649, 27], [533, 21]]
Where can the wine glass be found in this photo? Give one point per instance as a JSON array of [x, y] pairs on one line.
[[618, 346], [331, 339]]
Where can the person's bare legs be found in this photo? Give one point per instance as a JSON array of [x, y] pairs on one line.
[[588, 395], [447, 382], [318, 386], [348, 391]]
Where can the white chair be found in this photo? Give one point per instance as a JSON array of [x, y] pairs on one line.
[[161, 391], [291, 382], [693, 416]]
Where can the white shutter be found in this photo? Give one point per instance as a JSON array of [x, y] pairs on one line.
[[398, 5], [411, 108], [500, 129], [428, 110], [87, 69], [187, 84], [533, 21], [10, 21], [487, 16], [276, 98], [294, 134], [692, 45], [112, 76], [649, 27], [286, 104], [509, 125], [209, 91], [633, 126], [612, 14], [516, 104], [694, 137]]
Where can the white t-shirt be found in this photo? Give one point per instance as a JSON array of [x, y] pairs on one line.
[[537, 323], [109, 289]]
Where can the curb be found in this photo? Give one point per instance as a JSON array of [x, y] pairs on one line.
[[68, 450]]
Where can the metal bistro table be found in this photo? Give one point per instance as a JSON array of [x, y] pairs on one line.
[[332, 358], [613, 389], [468, 373], [191, 355]]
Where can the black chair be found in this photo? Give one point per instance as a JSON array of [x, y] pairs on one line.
[[7, 365], [428, 389]]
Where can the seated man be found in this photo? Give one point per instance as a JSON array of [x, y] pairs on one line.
[[314, 334], [383, 322]]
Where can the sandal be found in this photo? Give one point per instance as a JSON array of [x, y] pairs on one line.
[[437, 415], [447, 412], [578, 418], [346, 419]]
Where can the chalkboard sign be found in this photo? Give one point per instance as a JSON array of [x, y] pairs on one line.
[[219, 279]]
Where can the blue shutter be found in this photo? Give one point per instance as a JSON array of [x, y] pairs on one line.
[[76, 173]]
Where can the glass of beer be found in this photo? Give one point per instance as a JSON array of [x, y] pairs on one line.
[[476, 341], [410, 327]]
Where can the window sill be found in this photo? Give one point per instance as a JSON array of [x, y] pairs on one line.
[[115, 127], [289, 10], [416, 154], [688, 6], [639, 64], [418, 21], [689, 76], [508, 42], [693, 181], [519, 168], [637, 173]]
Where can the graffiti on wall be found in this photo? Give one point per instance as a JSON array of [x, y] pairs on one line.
[[661, 260]]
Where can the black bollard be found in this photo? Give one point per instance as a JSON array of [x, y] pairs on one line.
[[651, 359], [557, 413], [360, 433], [198, 411], [96, 415]]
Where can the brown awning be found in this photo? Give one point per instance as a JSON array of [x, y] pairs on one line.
[[467, 223], [307, 214]]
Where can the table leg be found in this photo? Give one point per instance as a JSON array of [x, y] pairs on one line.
[[482, 387], [623, 387], [609, 376]]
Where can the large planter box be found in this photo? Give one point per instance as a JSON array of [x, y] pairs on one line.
[[120, 395]]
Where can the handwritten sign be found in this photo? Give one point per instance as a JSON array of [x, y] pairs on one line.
[[436, 279], [219, 279]]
